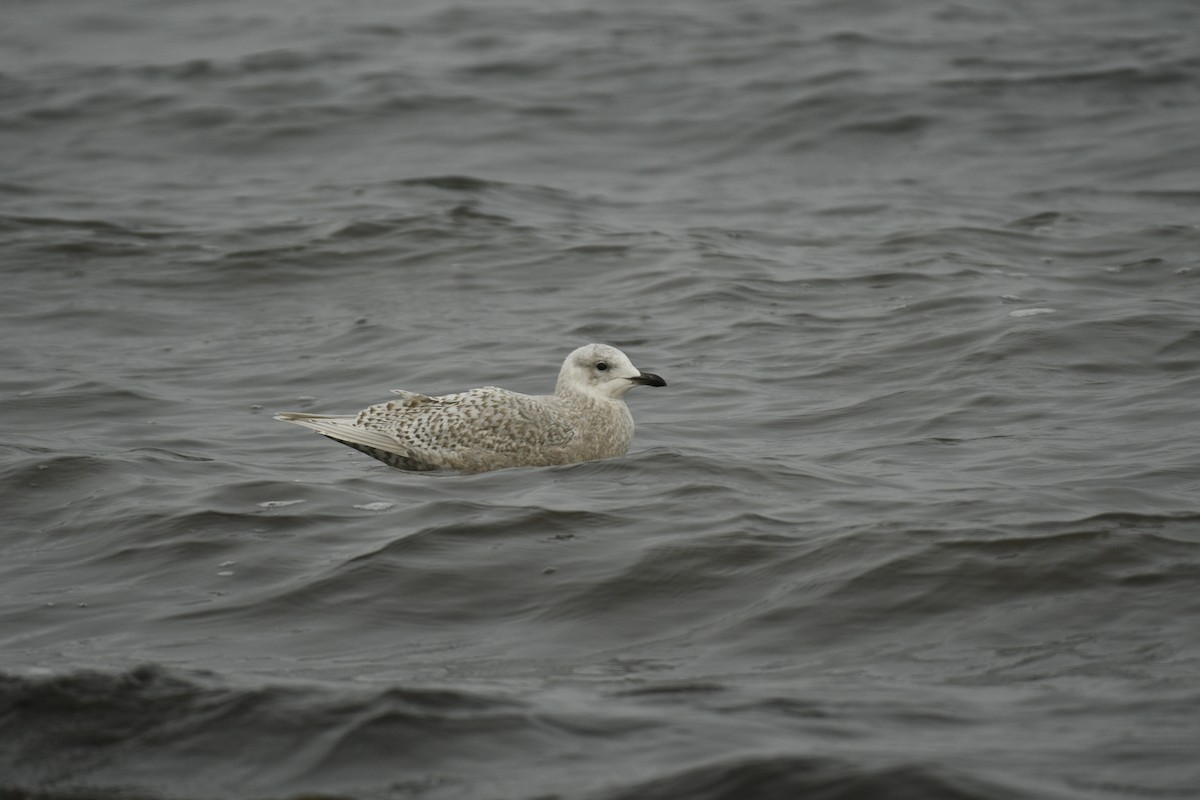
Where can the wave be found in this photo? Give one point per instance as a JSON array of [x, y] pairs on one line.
[[151, 731], [787, 777]]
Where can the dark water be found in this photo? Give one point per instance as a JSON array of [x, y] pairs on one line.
[[918, 515]]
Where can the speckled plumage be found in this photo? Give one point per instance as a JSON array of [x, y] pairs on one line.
[[493, 428]]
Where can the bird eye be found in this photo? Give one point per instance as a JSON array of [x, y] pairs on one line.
[[602, 366]]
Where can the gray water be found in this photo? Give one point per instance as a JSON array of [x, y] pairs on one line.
[[917, 516]]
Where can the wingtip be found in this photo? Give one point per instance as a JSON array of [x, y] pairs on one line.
[[298, 416]]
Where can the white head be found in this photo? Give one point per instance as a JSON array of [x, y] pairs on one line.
[[602, 371]]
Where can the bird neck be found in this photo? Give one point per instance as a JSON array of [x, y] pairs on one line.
[[574, 393]]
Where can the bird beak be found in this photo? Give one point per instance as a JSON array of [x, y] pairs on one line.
[[648, 379]]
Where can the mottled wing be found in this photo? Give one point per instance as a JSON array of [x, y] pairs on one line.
[[468, 426]]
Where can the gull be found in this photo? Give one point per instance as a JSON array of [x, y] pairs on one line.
[[492, 428]]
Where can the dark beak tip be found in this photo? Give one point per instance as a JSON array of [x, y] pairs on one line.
[[649, 379]]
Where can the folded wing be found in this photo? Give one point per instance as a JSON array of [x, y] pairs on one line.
[[474, 430]]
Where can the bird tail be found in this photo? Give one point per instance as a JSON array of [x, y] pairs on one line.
[[315, 421], [342, 428], [339, 427]]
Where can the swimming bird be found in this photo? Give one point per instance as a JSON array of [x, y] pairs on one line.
[[492, 428]]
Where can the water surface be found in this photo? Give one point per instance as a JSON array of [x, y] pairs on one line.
[[916, 515]]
